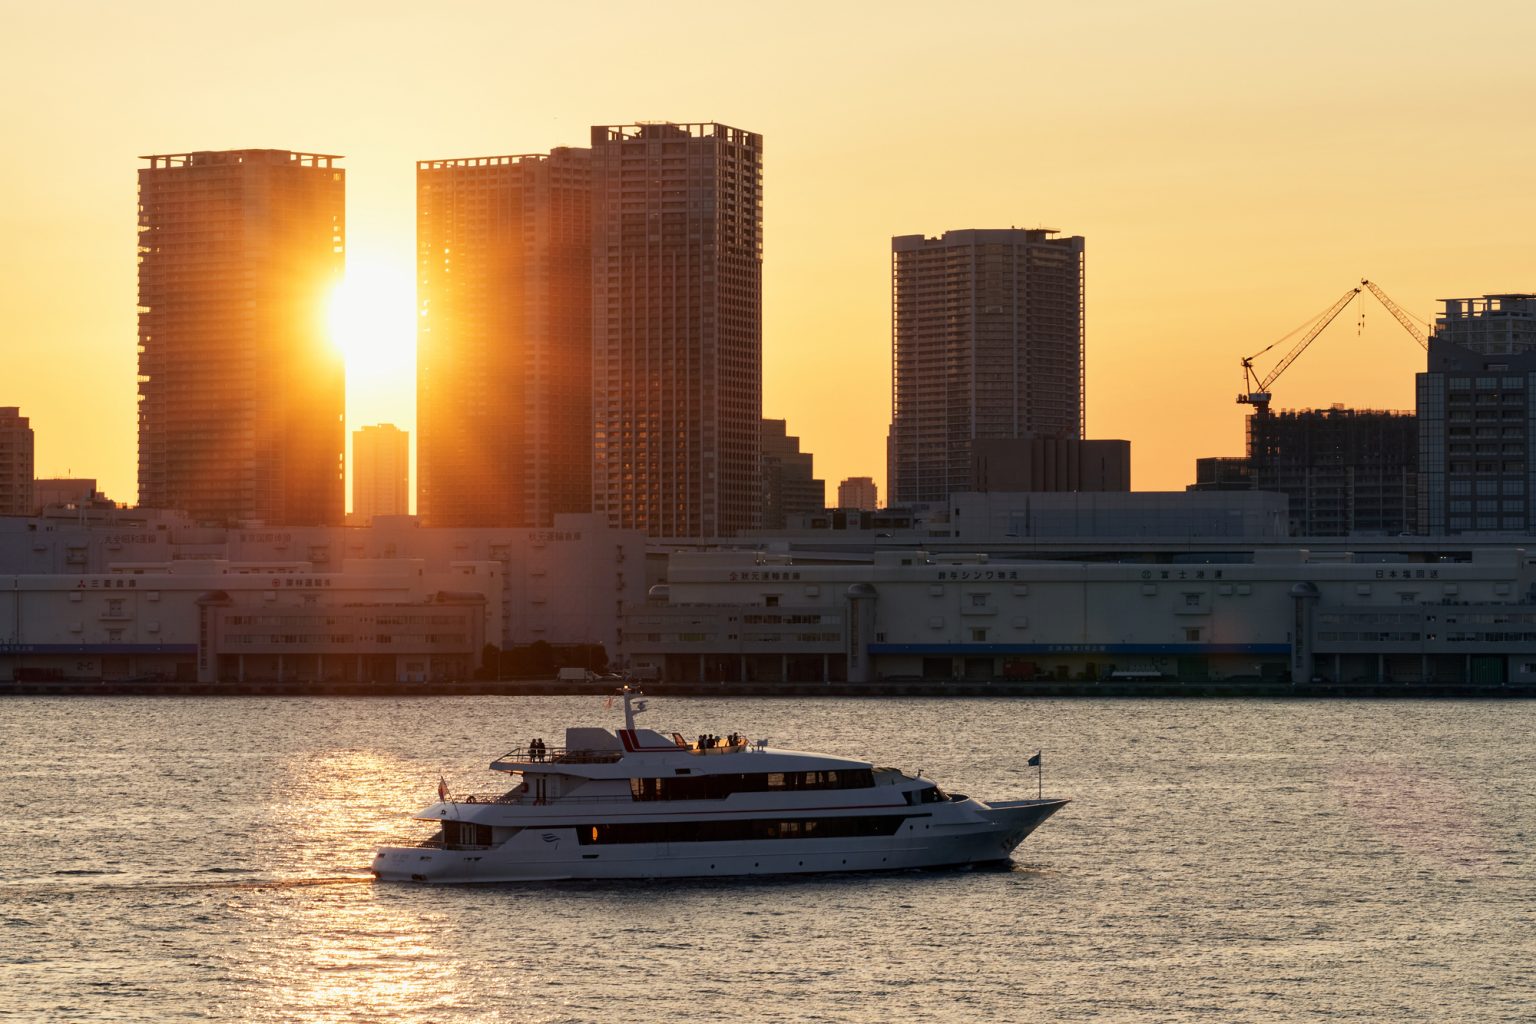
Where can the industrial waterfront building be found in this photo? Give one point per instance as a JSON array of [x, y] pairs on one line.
[[242, 393], [993, 586], [381, 473], [17, 444], [1420, 616], [1477, 418], [147, 582], [987, 344], [504, 366], [677, 249]]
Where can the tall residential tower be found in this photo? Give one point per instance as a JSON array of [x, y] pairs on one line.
[[241, 392], [987, 343], [381, 472], [17, 497], [504, 344], [677, 250]]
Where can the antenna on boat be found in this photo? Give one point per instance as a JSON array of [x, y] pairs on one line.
[[632, 707]]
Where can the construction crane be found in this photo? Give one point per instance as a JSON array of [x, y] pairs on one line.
[[1256, 392], [1410, 323]]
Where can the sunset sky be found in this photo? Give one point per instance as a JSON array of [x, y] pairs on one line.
[[1233, 167]]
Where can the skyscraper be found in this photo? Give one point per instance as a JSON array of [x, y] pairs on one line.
[[381, 469], [1477, 418], [16, 465], [241, 392], [677, 249], [790, 486], [504, 343], [987, 343]]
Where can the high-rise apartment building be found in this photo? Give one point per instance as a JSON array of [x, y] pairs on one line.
[[242, 394], [677, 249], [858, 492], [16, 463], [987, 343], [504, 339], [381, 471], [1477, 418]]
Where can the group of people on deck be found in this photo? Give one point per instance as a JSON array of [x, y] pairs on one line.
[[708, 741], [536, 750]]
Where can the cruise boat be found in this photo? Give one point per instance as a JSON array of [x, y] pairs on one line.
[[634, 803]]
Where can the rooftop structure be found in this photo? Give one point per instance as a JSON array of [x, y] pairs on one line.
[[1491, 325]]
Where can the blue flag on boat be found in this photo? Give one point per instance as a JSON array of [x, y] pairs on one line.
[[1034, 762]]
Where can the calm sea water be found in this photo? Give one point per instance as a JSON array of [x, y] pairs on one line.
[[179, 859]]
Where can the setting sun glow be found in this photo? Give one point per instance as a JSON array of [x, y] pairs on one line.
[[372, 319], [373, 322]]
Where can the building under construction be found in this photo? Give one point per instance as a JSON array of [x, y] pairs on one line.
[[1346, 471]]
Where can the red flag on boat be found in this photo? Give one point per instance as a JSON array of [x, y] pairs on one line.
[[442, 788]]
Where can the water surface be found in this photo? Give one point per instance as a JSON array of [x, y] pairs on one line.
[[196, 859]]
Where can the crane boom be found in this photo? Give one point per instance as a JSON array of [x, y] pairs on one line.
[[1257, 393], [1402, 316]]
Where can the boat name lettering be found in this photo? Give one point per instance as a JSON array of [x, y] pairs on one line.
[[554, 536], [1181, 574], [104, 583], [764, 577], [266, 538], [1407, 574], [978, 574], [300, 582]]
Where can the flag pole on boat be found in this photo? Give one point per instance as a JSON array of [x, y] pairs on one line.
[[1038, 764]]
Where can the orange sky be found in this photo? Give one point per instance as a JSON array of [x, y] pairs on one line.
[[1233, 167]]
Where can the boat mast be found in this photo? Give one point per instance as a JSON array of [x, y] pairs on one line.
[[631, 710]]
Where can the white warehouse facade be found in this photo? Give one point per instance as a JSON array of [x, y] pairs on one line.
[[913, 615]]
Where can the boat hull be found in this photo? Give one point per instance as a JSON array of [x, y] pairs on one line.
[[968, 833]]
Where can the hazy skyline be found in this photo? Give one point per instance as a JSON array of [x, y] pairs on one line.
[[1233, 170]]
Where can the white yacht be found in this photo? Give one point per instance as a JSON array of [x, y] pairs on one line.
[[638, 804]]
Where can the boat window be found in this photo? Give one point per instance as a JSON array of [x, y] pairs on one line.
[[465, 833], [851, 826], [718, 787]]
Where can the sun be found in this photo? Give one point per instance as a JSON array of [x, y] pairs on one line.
[[373, 319]]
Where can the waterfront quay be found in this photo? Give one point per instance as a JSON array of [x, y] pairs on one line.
[[1059, 688]]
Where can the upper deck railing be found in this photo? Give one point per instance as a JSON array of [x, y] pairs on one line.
[[560, 755], [566, 755]]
